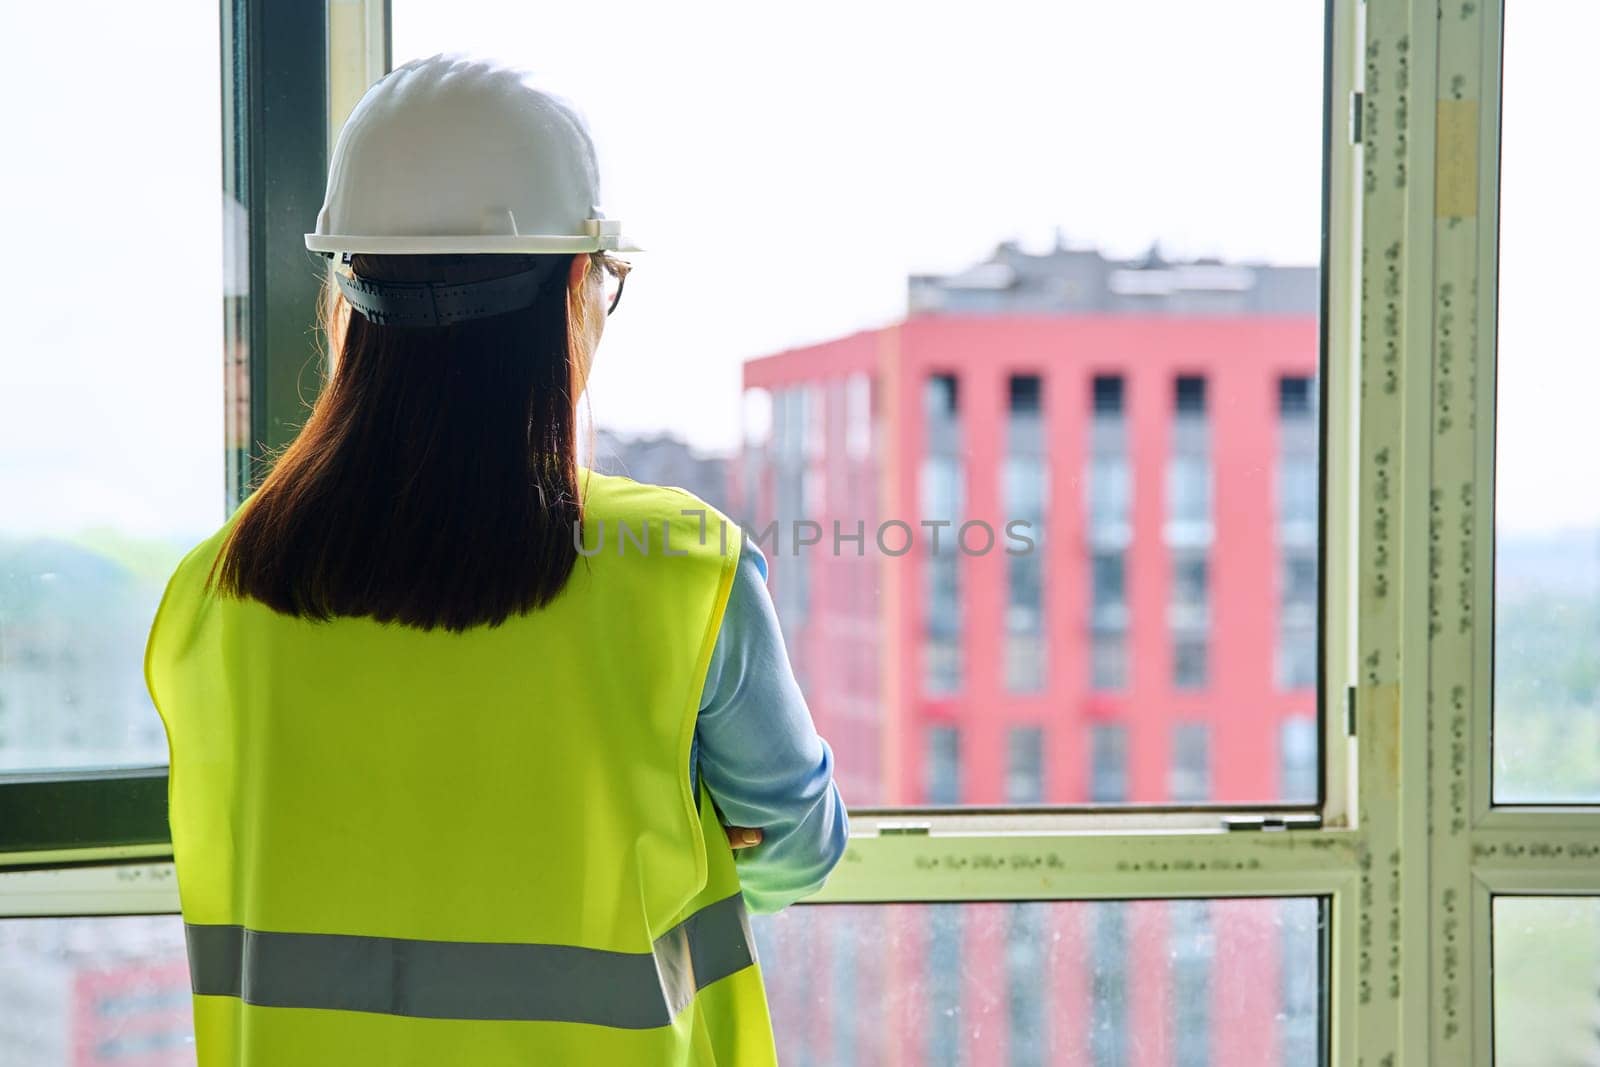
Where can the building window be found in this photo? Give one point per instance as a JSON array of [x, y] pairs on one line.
[[1191, 601], [1189, 469], [940, 396], [1108, 766], [814, 410], [1025, 486], [1189, 499], [1108, 621], [1300, 989], [1025, 765], [1027, 961], [1024, 639], [786, 425], [1189, 661], [945, 972], [1023, 394], [1297, 760], [1299, 596], [1110, 493], [1108, 587], [942, 498], [1297, 497], [1108, 984], [1189, 396], [1109, 488], [944, 766], [858, 416], [1107, 391], [1192, 950], [1297, 657], [1108, 661], [942, 662], [1190, 779], [1294, 397]]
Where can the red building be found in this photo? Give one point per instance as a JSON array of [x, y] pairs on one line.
[[1150, 428]]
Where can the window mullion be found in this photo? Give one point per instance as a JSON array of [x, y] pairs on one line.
[[1394, 492]]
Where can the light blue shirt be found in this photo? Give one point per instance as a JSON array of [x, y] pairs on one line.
[[760, 753]]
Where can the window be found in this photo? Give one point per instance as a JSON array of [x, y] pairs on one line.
[[942, 503], [1108, 661], [1189, 395], [1297, 758], [1191, 599], [1189, 661], [1190, 782], [1023, 396], [1546, 582], [1024, 488], [1189, 499], [1546, 955], [1027, 977], [944, 766], [1108, 768], [112, 449], [1192, 948], [1072, 981], [1297, 497], [1297, 620], [1493, 612], [1107, 393], [95, 990], [1294, 397], [858, 416], [1109, 620], [1110, 498], [1024, 639], [1025, 765], [1108, 587], [1110, 482], [940, 402], [1299, 587], [944, 985]]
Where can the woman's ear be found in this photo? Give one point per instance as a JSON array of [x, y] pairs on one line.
[[578, 272]]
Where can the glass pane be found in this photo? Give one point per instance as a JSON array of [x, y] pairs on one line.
[[1547, 501], [1546, 972], [101, 991], [1071, 401], [1100, 984], [111, 399]]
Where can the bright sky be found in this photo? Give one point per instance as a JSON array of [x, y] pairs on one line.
[[784, 171]]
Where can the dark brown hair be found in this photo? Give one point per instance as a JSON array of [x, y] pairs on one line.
[[436, 480]]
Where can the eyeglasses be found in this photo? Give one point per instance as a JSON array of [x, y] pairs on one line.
[[616, 273]]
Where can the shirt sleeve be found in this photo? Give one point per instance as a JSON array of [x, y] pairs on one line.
[[763, 762]]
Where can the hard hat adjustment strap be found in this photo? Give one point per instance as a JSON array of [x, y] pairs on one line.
[[440, 303]]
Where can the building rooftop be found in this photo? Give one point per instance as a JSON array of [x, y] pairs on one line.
[[1084, 281]]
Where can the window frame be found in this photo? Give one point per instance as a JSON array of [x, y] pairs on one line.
[[1406, 852]]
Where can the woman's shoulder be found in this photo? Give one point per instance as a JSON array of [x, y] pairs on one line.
[[617, 496]]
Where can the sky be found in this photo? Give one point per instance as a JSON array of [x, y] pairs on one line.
[[785, 168]]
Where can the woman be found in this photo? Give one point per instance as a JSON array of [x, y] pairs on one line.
[[463, 735]]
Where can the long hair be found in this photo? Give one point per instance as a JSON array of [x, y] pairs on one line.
[[436, 480]]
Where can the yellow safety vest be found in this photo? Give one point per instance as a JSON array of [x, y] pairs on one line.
[[401, 847]]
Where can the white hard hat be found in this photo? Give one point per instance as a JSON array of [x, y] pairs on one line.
[[454, 155]]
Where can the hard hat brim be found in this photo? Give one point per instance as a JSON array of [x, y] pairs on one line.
[[504, 244]]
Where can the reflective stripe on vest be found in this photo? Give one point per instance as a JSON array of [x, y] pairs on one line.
[[470, 979]]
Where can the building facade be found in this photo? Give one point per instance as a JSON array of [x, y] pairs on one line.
[[1053, 539]]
